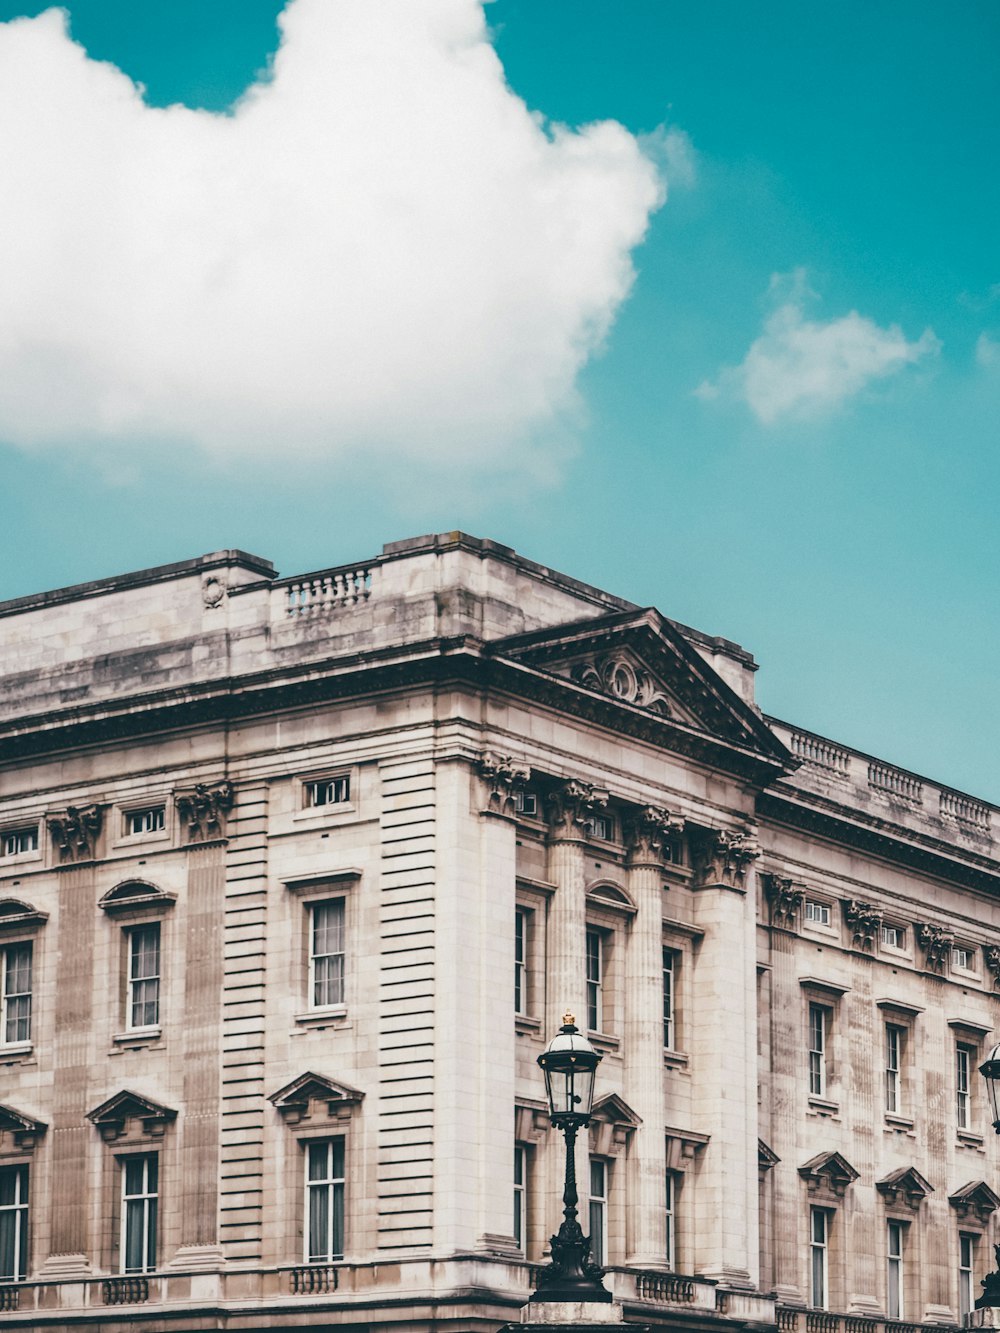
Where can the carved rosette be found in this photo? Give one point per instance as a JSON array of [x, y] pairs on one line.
[[203, 809], [75, 833], [646, 833], [614, 675], [723, 858], [503, 779], [865, 922], [571, 806], [992, 956], [936, 943], [784, 898]]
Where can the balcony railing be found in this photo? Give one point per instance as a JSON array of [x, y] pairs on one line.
[[10, 1297], [791, 1320], [125, 1290], [822, 753], [965, 810], [665, 1287], [325, 592], [312, 1280], [883, 777]]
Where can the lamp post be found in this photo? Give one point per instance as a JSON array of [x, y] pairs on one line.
[[569, 1063], [990, 1070]]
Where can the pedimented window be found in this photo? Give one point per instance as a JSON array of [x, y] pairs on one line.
[[131, 1116], [19, 1130], [136, 895], [17, 917], [316, 1098]]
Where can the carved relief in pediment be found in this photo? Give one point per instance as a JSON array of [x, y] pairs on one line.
[[620, 677]]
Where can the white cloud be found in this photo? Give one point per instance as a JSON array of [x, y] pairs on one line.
[[381, 247], [800, 367], [987, 351]]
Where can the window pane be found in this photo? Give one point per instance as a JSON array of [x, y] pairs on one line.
[[133, 1236], [8, 1245], [319, 1154]]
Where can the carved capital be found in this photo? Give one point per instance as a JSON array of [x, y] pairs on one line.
[[204, 807], [75, 832], [571, 806], [723, 858], [784, 898], [503, 778], [646, 833], [615, 675], [936, 943], [992, 956], [865, 922]]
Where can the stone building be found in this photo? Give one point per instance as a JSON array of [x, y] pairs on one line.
[[299, 875]]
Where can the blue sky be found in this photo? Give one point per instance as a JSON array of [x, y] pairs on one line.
[[767, 405]]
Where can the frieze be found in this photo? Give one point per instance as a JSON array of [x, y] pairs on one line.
[[504, 778], [784, 898], [614, 675], [864, 922], [203, 808], [722, 857], [571, 806], [936, 943], [75, 832]]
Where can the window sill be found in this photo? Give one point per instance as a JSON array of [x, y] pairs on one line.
[[15, 1052], [335, 1016], [525, 1023], [137, 1037], [968, 1138], [899, 1123], [820, 1106], [672, 1058]]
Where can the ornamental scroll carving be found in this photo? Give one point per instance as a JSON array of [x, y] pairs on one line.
[[647, 832], [571, 806], [865, 922], [992, 956], [75, 833], [503, 778], [723, 858], [936, 943], [616, 676], [784, 897], [204, 807]]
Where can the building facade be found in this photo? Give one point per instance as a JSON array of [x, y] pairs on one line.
[[299, 875]]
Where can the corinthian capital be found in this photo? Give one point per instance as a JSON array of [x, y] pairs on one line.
[[722, 857], [571, 806], [646, 832], [503, 778]]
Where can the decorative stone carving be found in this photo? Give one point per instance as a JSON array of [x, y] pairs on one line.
[[25, 1130], [646, 833], [992, 956], [75, 833], [784, 897], [616, 676], [314, 1096], [767, 1158], [571, 806], [213, 590], [828, 1175], [504, 778], [904, 1185], [113, 1118], [203, 808], [721, 857], [865, 922], [936, 943], [975, 1198]]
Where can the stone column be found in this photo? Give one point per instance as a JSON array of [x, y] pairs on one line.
[[644, 1038], [724, 1054]]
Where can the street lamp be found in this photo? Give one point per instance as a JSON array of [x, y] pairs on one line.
[[990, 1070], [569, 1063]]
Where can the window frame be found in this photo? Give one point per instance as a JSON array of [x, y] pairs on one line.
[[819, 1020], [967, 1055], [520, 1199], [149, 1200], [595, 977], [19, 1208], [895, 1278], [312, 786], [894, 1048], [598, 1207], [521, 969], [670, 988], [817, 912], [968, 1244], [334, 1188], [313, 907], [672, 1186], [18, 831], [7, 996], [132, 933], [137, 811]]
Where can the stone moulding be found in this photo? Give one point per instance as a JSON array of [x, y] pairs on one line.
[[975, 1199], [904, 1185], [112, 1117], [294, 1101], [24, 1129], [829, 1174]]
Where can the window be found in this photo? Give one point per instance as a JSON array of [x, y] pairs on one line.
[[15, 994], [140, 1196], [963, 958], [520, 1195], [672, 1185], [13, 1223], [145, 821], [817, 1050], [895, 1038], [893, 937], [894, 1272], [326, 954], [819, 1231], [329, 791], [520, 961], [602, 827], [325, 1200], [595, 979], [819, 913], [966, 1274], [964, 1059], [526, 803], [669, 999], [599, 1210], [143, 1009], [17, 841]]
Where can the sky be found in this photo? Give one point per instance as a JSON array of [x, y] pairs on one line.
[[697, 303]]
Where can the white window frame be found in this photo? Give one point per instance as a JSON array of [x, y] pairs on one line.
[[521, 925], [330, 1191], [819, 1258], [595, 978], [14, 1012], [11, 838], [318, 793], [965, 1059], [146, 989], [526, 803], [894, 1277], [819, 1023], [895, 1049], [520, 1222], [670, 970], [148, 1200], [18, 1210], [898, 934], [817, 913], [597, 1208], [967, 1245], [672, 1181], [150, 818], [963, 957], [602, 828], [336, 994]]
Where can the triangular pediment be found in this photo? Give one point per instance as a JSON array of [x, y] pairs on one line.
[[126, 1110], [616, 1110], [640, 664], [295, 1100], [828, 1172], [25, 1128], [976, 1198], [904, 1185], [767, 1158]]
